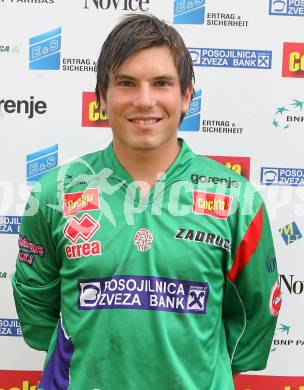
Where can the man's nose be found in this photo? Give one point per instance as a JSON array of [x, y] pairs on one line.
[[145, 96]]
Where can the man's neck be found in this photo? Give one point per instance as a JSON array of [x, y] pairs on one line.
[[145, 165]]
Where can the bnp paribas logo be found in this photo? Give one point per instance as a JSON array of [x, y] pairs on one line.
[[189, 12], [192, 119], [44, 50], [289, 114]]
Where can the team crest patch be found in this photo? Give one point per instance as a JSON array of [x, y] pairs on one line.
[[142, 239], [81, 201], [275, 300], [212, 204]]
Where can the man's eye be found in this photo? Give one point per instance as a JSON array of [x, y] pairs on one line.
[[125, 83], [162, 83]]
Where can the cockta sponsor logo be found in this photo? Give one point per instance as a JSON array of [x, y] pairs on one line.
[[30, 107], [38, 163], [92, 116], [282, 176], [220, 127], [192, 119], [122, 5], [10, 327], [293, 59], [290, 233], [289, 115], [240, 165], [289, 283], [19, 380], [269, 382], [44, 50], [9, 224], [81, 201], [211, 204], [231, 58], [143, 293], [28, 249], [203, 237], [83, 228], [189, 11], [275, 300], [286, 7]]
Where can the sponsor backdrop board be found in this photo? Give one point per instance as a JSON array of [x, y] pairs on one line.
[[248, 113]]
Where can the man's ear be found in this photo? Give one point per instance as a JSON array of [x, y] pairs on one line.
[[102, 100], [186, 99]]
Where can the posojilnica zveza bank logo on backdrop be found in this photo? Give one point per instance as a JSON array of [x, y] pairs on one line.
[[286, 7]]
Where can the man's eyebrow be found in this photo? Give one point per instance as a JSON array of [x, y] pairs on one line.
[[161, 77]]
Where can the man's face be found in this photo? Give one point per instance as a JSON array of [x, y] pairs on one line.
[[144, 101]]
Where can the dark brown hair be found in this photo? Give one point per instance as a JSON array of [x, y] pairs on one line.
[[135, 32]]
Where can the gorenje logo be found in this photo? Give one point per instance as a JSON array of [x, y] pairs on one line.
[[124, 5], [44, 50], [282, 176], [290, 233], [286, 7], [91, 115], [287, 115], [189, 11], [28, 107], [191, 121], [38, 163], [9, 224], [293, 59], [231, 58]]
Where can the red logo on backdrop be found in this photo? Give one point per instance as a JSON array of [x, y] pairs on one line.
[[293, 59], [91, 115], [212, 204], [23, 380], [275, 300], [263, 382], [81, 201], [240, 165], [85, 227]]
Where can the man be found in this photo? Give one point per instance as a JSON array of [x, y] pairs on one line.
[[142, 266]]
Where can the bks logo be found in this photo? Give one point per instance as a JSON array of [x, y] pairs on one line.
[[286, 7], [293, 59], [91, 114], [212, 204], [240, 165], [83, 228], [124, 5], [191, 121], [81, 201], [290, 233], [287, 115], [44, 50], [231, 58], [282, 176], [189, 12], [38, 163]]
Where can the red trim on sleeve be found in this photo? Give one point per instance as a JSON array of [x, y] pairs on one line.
[[247, 246]]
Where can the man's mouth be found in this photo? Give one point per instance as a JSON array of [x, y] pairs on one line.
[[145, 122]]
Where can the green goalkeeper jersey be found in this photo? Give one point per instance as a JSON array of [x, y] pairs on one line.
[[173, 291]]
